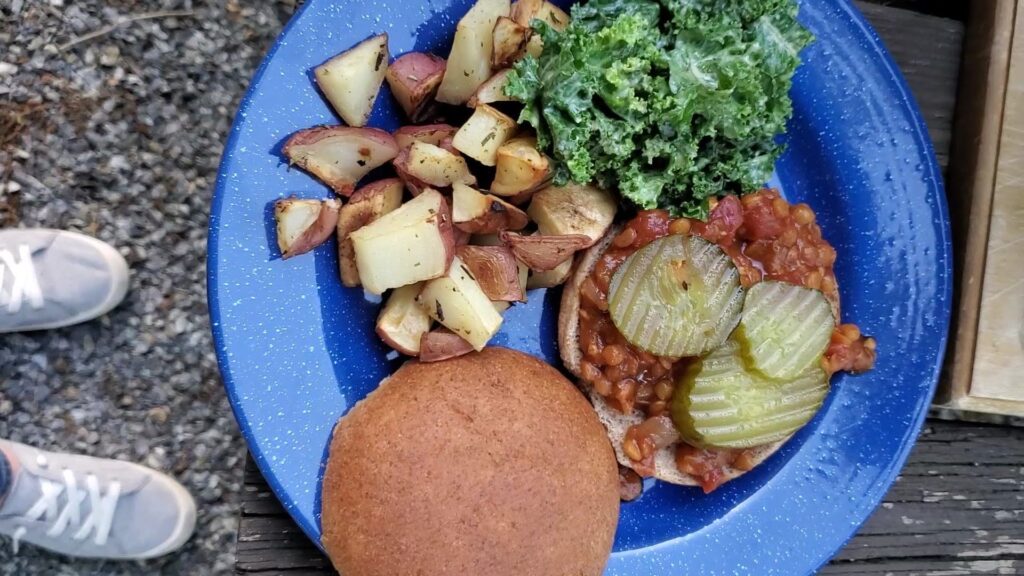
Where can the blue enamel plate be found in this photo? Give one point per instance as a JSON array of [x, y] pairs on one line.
[[297, 349]]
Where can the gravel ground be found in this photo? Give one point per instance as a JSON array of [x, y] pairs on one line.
[[116, 131]]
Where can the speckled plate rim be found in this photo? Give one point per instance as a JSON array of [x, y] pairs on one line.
[[924, 141], [873, 497]]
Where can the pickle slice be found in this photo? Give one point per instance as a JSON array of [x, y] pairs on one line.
[[720, 403], [785, 328], [677, 296]]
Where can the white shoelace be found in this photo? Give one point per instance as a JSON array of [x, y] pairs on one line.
[[24, 283], [98, 520]]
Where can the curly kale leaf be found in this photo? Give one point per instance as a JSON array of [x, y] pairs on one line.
[[669, 101]]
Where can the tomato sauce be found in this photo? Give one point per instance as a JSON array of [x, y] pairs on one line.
[[767, 238]]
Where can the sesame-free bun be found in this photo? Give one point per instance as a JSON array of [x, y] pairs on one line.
[[491, 463]]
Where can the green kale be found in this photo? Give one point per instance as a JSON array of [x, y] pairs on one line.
[[668, 101]]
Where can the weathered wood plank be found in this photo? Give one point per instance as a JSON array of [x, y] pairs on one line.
[[957, 508], [937, 567]]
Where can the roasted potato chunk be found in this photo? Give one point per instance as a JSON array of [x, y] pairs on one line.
[[401, 163], [543, 253], [442, 344], [352, 79], [509, 42], [469, 63], [403, 322], [304, 224], [485, 131], [340, 155], [493, 90], [437, 166], [573, 209], [520, 167], [550, 278], [525, 11], [408, 245], [414, 79], [459, 304], [479, 213], [436, 134], [366, 205], [496, 271]]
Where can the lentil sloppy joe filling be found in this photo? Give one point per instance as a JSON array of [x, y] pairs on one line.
[[767, 239]]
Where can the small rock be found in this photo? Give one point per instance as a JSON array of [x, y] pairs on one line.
[[110, 55], [156, 460], [158, 414], [8, 69], [118, 162], [40, 393]]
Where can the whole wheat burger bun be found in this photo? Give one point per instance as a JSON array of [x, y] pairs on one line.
[[614, 421], [491, 463]]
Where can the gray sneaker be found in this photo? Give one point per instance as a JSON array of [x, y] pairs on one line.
[[92, 507], [53, 278]]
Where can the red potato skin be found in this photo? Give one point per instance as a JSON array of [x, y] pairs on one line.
[[447, 231], [311, 136], [362, 215], [449, 144], [544, 252], [318, 232], [414, 79], [499, 216], [525, 196], [461, 237], [435, 134], [442, 344], [495, 269]]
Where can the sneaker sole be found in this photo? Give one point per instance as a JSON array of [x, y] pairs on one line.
[[118, 289]]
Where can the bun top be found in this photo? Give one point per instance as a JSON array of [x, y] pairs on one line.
[[490, 463]]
